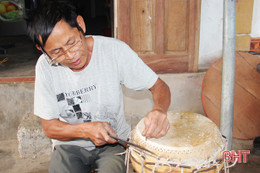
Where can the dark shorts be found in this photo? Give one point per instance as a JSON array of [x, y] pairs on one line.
[[75, 159]]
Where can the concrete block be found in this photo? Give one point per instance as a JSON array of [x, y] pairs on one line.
[[244, 15], [243, 42], [32, 141]]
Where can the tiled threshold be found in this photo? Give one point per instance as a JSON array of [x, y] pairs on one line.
[[16, 79]]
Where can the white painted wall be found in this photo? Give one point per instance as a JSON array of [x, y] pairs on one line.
[[211, 30], [255, 31]]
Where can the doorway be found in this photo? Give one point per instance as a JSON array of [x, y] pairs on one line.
[[98, 16]]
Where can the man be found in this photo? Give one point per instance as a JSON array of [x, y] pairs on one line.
[[78, 91]]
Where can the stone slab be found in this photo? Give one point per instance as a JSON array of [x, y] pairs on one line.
[[32, 141]]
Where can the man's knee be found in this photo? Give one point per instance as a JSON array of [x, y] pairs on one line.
[[118, 164], [112, 164], [65, 159]]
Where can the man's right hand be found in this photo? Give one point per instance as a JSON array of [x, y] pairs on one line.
[[97, 131]]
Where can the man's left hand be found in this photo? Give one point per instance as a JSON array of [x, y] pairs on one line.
[[156, 124]]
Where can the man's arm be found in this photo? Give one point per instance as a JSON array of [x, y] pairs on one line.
[[98, 132], [156, 122]]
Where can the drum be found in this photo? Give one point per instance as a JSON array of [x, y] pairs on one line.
[[192, 144]]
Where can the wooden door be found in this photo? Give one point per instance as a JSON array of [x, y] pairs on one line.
[[164, 33]]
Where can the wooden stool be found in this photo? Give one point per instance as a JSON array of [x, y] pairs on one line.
[[246, 123]]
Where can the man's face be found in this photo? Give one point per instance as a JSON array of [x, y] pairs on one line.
[[62, 38]]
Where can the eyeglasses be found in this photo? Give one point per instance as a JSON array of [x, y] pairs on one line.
[[62, 56]]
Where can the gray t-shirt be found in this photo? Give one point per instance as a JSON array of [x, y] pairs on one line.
[[93, 94]]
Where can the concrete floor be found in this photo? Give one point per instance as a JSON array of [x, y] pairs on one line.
[[21, 54], [10, 162], [21, 63]]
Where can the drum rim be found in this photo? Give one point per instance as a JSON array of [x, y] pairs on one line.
[[212, 167]]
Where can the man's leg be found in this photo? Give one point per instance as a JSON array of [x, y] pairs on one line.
[[69, 158], [108, 162]]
